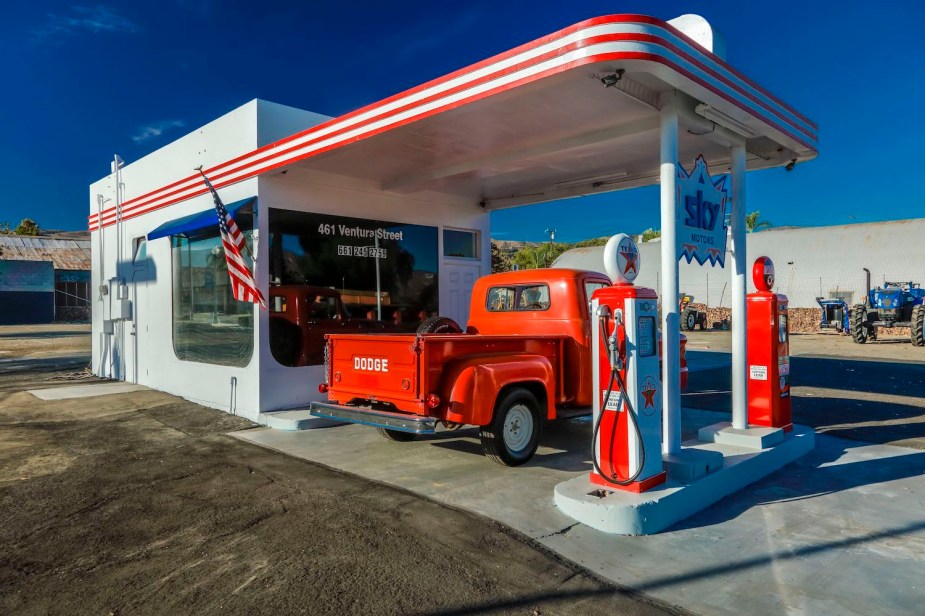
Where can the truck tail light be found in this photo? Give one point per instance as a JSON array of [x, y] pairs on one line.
[[432, 401], [323, 388]]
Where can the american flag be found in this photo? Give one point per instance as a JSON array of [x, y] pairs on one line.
[[243, 286]]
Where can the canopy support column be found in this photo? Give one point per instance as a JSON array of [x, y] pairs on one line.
[[671, 318], [739, 267]]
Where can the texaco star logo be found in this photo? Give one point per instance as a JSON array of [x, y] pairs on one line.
[[649, 389], [630, 254]]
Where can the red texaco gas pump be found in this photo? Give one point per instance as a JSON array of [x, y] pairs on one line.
[[768, 352], [627, 435]]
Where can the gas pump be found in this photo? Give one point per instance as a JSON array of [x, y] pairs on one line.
[[627, 412], [768, 351]]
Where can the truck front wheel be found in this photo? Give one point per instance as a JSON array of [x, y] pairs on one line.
[[514, 432], [396, 435]]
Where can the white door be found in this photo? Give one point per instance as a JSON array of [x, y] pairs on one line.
[[460, 278]]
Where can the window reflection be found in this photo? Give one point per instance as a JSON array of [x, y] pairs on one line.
[[209, 325], [348, 275]]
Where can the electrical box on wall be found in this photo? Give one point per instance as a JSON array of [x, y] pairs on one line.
[[123, 291], [108, 327], [125, 309]]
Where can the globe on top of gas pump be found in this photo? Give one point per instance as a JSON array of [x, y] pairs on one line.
[[621, 259], [763, 274]]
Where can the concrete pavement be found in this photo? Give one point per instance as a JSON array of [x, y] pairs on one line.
[[841, 531]]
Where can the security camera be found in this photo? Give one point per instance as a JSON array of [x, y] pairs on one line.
[[610, 81], [789, 166]]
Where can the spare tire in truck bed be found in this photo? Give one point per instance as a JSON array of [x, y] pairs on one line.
[[439, 325]]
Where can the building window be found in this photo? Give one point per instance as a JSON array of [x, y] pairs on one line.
[[209, 325], [139, 250], [461, 244], [72, 290], [337, 274]]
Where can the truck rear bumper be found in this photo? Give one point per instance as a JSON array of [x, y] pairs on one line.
[[401, 422]]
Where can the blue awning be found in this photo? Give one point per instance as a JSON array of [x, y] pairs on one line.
[[206, 222]]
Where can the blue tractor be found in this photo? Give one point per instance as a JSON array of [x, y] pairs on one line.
[[895, 304], [835, 315]]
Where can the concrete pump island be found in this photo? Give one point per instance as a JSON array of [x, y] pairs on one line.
[[387, 348]]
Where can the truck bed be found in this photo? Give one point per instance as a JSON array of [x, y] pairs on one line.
[[400, 370]]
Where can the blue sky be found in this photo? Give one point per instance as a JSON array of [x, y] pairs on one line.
[[83, 81]]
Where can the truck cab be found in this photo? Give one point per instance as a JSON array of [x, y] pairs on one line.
[[542, 302]]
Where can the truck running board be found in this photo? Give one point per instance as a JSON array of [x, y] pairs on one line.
[[401, 422]]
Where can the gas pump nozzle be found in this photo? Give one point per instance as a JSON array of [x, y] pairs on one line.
[[613, 346]]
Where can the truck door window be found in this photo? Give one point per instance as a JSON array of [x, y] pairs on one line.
[[278, 304], [324, 307], [534, 297]]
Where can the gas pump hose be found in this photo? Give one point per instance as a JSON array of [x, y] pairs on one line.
[[612, 477]]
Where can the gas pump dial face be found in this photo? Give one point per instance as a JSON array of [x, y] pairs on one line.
[[621, 259], [763, 274]]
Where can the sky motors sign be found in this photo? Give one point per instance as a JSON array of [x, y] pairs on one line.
[[701, 212]]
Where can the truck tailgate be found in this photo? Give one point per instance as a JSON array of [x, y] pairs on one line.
[[383, 367]]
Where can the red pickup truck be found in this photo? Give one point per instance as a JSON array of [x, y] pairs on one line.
[[524, 358]]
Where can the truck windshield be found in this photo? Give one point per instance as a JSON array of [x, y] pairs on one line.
[[518, 298]]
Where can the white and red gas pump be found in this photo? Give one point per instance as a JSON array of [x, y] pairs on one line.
[[627, 411], [768, 351]]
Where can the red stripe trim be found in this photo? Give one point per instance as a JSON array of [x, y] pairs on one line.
[[610, 56], [134, 203], [737, 73], [129, 212], [588, 42]]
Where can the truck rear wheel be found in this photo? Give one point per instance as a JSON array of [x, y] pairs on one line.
[[918, 325], [859, 323], [396, 435], [439, 325], [285, 341], [514, 432]]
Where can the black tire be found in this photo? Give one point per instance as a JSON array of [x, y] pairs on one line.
[[396, 435], [918, 325], [517, 416], [688, 320], [285, 341], [439, 325], [859, 329]]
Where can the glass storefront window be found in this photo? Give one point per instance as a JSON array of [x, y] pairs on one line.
[[347, 275], [209, 325]]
